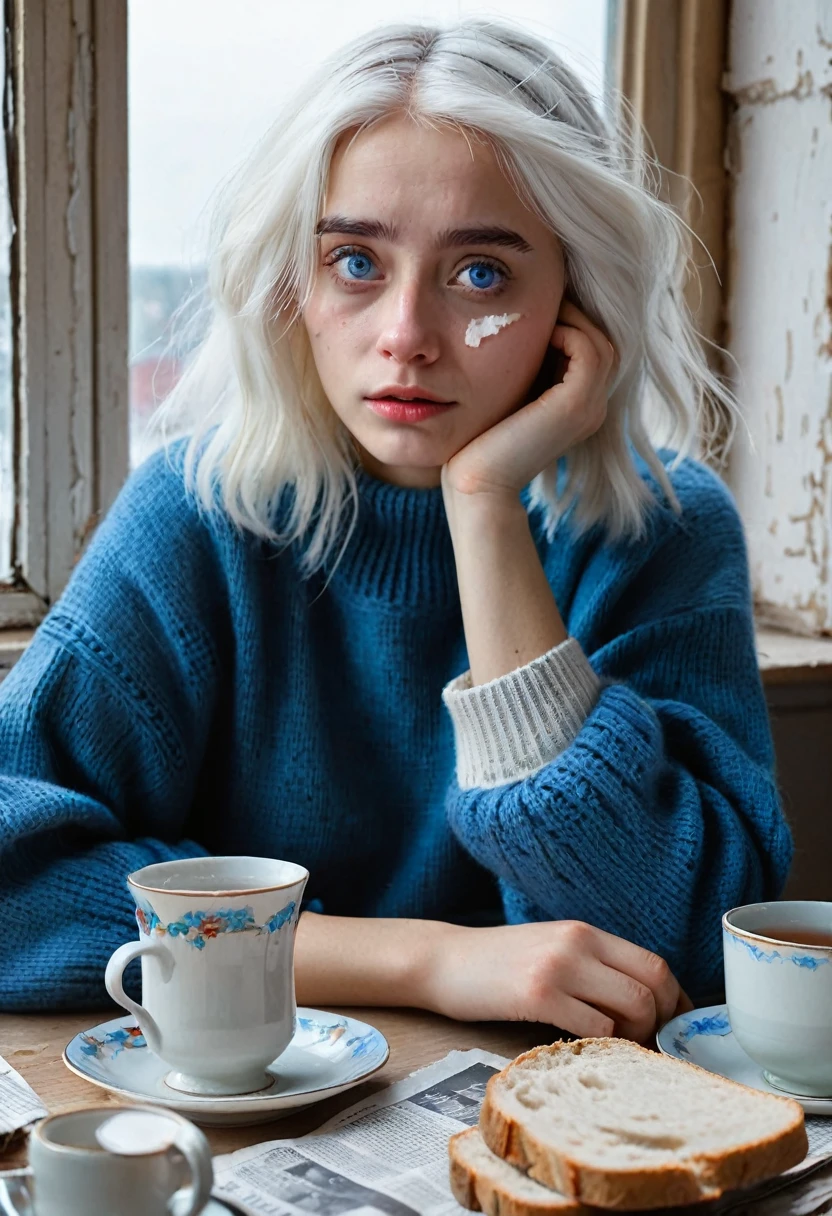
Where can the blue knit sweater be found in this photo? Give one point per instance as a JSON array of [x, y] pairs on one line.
[[190, 693]]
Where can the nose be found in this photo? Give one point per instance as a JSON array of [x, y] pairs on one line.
[[408, 332]]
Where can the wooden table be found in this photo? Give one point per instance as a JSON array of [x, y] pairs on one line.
[[33, 1045]]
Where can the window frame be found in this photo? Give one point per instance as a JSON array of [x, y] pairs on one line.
[[66, 79], [670, 60]]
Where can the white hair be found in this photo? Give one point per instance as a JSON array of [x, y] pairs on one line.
[[251, 398]]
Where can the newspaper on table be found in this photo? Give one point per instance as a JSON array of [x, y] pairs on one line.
[[388, 1156], [19, 1104]]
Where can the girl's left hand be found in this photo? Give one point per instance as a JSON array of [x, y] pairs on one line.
[[507, 456]]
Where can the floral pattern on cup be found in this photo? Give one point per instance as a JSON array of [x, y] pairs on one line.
[[114, 1042], [810, 962], [197, 928], [717, 1024]]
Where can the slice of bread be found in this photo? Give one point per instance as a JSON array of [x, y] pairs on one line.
[[482, 1182], [613, 1125]]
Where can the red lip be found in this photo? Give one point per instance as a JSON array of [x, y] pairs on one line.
[[406, 411]]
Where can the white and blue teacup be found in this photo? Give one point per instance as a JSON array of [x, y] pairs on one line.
[[778, 987], [216, 940]]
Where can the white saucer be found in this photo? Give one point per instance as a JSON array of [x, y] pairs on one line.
[[327, 1055], [704, 1037], [16, 1199]]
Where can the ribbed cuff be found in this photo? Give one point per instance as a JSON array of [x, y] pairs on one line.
[[513, 726]]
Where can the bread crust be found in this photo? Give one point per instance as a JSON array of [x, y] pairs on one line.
[[706, 1176], [478, 1193]]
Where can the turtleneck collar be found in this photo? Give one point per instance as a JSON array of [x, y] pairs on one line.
[[400, 549]]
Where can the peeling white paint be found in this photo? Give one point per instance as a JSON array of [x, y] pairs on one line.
[[780, 302], [73, 322], [486, 327]]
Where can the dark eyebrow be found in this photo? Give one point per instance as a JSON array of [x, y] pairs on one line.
[[483, 236], [374, 229], [450, 238]]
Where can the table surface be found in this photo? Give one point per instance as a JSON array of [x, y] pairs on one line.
[[34, 1043]]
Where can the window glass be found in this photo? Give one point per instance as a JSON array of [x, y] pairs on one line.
[[202, 90]]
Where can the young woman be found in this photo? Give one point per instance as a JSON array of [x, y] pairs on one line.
[[415, 602]]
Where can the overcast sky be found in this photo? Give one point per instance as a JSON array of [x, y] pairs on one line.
[[208, 77]]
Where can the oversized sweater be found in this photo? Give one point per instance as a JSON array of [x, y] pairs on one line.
[[190, 692]]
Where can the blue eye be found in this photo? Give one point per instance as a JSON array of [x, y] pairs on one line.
[[482, 275], [359, 265]]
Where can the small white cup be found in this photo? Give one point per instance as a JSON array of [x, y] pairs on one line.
[[140, 1173], [779, 993], [217, 938]]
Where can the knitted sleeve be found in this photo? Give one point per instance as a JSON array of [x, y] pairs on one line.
[[103, 724], [662, 811], [510, 727]]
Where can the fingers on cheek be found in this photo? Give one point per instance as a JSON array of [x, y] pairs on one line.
[[602, 357], [573, 343]]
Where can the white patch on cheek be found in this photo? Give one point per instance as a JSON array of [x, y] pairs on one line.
[[485, 327]]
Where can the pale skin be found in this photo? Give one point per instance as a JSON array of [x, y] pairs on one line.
[[390, 306]]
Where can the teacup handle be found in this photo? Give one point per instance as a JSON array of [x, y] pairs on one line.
[[195, 1149], [114, 975]]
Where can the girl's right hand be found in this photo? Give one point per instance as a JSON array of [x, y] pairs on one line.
[[567, 973]]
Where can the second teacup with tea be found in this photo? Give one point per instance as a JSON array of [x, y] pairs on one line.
[[778, 986], [216, 940]]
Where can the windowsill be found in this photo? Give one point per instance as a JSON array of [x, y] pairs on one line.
[[785, 658], [789, 658]]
